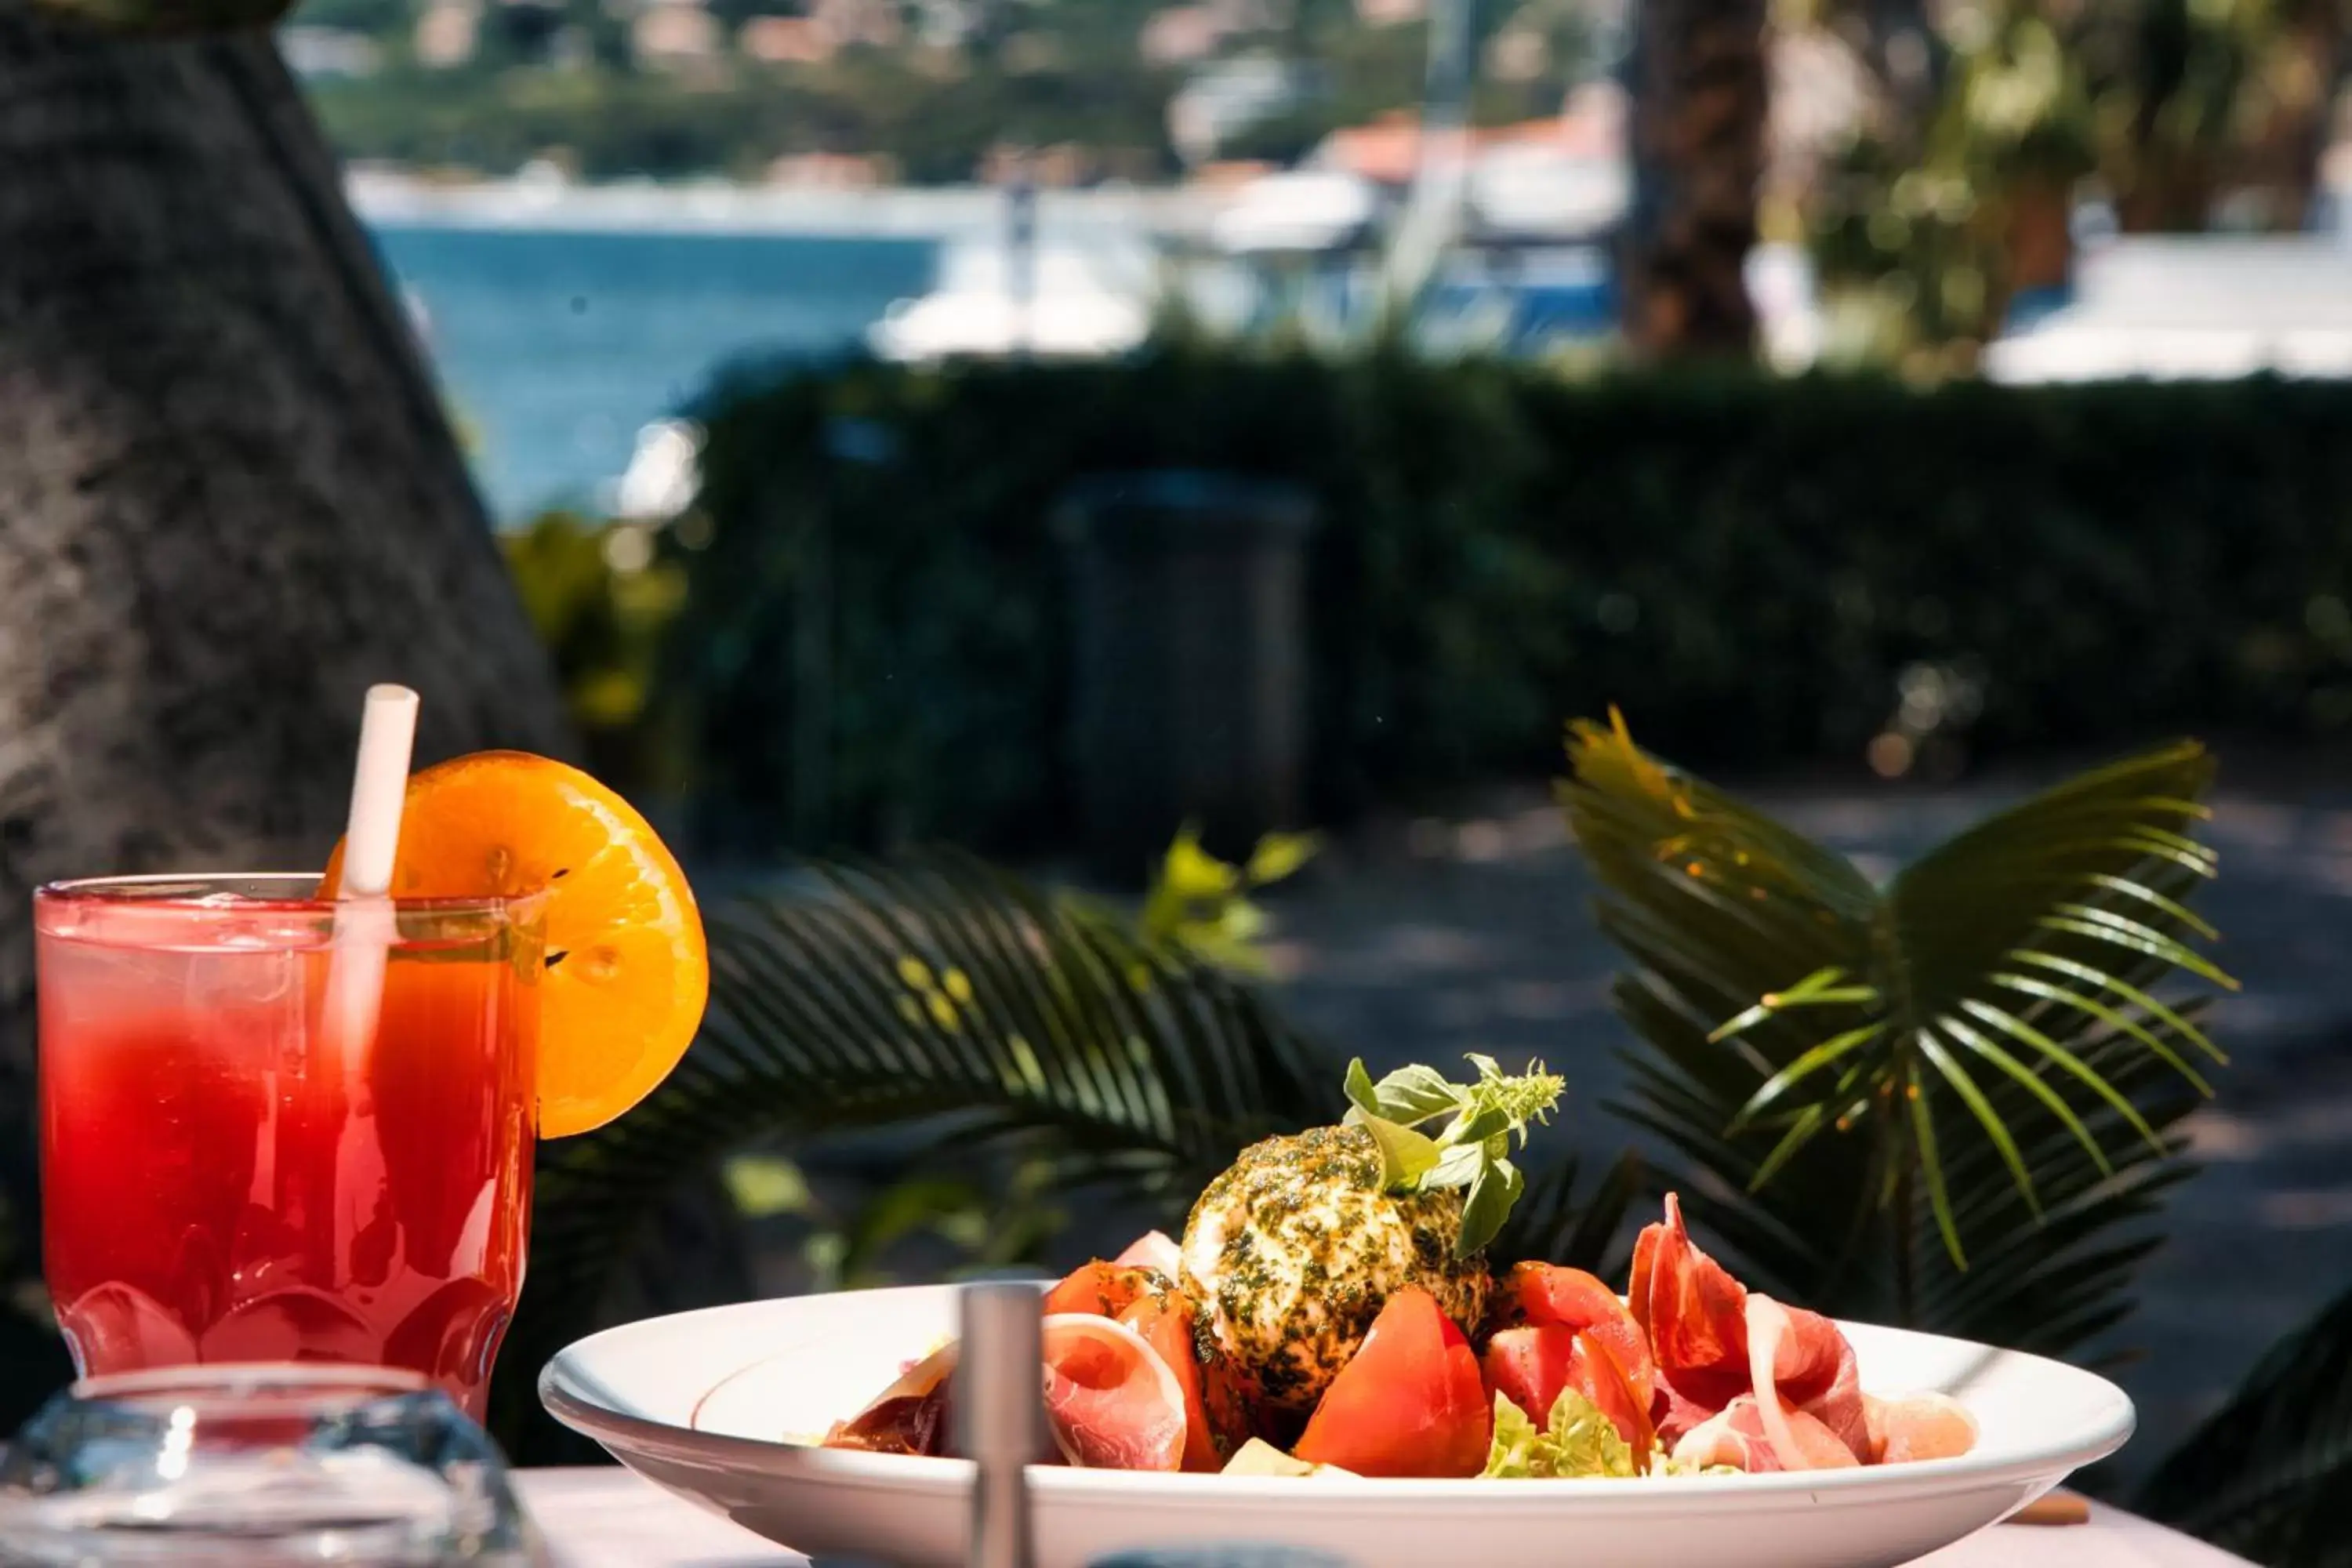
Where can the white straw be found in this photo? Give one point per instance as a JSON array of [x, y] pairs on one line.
[[379, 786], [364, 928]]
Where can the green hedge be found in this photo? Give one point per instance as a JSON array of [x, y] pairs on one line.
[[1746, 566]]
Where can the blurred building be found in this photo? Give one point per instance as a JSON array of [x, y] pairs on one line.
[[674, 32], [1385, 153], [877, 23], [1563, 177], [1589, 129], [1183, 33], [447, 32], [832, 171], [785, 41]]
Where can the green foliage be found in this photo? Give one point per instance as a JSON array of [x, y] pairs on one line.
[[1755, 568], [1201, 905], [603, 598], [1559, 1219], [1916, 225], [984, 1225], [2269, 1475], [606, 120], [1974, 1049], [1920, 226]]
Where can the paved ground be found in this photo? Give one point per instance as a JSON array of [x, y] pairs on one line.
[[1419, 939]]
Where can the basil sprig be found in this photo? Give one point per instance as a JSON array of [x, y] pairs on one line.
[[1471, 1150]]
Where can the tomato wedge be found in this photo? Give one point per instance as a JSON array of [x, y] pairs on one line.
[[1408, 1402], [1103, 1290], [1164, 1320], [1529, 1366], [1604, 1383], [1548, 1293]]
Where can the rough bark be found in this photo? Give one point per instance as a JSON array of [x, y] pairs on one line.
[[171, 19], [229, 500], [1698, 76]]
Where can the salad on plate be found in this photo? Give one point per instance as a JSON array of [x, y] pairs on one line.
[[1330, 1309]]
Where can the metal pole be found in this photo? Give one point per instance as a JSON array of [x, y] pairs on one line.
[[1000, 1419], [1021, 259], [1453, 25], [1433, 208]]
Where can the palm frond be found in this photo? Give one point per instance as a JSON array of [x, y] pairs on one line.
[[2269, 1475], [1951, 1101], [1557, 1220], [952, 1009]]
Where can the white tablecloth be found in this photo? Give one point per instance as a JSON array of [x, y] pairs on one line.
[[610, 1518]]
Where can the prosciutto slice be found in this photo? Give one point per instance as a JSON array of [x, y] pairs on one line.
[[1673, 1415], [1694, 1312], [1715, 1342], [1739, 1436], [1923, 1427], [910, 1417], [1111, 1401], [1840, 1407]]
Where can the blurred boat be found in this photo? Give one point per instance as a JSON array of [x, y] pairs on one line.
[[664, 472], [1070, 300], [1299, 211]]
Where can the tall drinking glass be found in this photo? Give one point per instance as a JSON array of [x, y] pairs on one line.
[[234, 1171]]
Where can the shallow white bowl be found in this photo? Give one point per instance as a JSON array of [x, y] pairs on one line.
[[703, 1404]]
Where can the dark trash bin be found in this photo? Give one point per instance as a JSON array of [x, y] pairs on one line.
[[1189, 700]]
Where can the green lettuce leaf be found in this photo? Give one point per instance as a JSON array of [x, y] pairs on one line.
[[1576, 1441]]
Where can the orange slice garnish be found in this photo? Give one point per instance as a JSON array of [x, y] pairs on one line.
[[627, 972]]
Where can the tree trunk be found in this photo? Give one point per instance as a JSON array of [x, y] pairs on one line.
[[1697, 77], [229, 499]]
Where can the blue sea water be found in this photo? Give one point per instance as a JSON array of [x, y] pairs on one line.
[[554, 348]]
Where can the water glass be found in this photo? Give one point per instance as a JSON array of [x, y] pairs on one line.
[[256, 1467]]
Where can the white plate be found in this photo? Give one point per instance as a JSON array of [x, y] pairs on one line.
[[702, 1403]]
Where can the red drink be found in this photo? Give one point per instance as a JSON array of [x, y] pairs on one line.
[[226, 1179]]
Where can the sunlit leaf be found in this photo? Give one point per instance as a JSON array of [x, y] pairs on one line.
[[1279, 856]]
